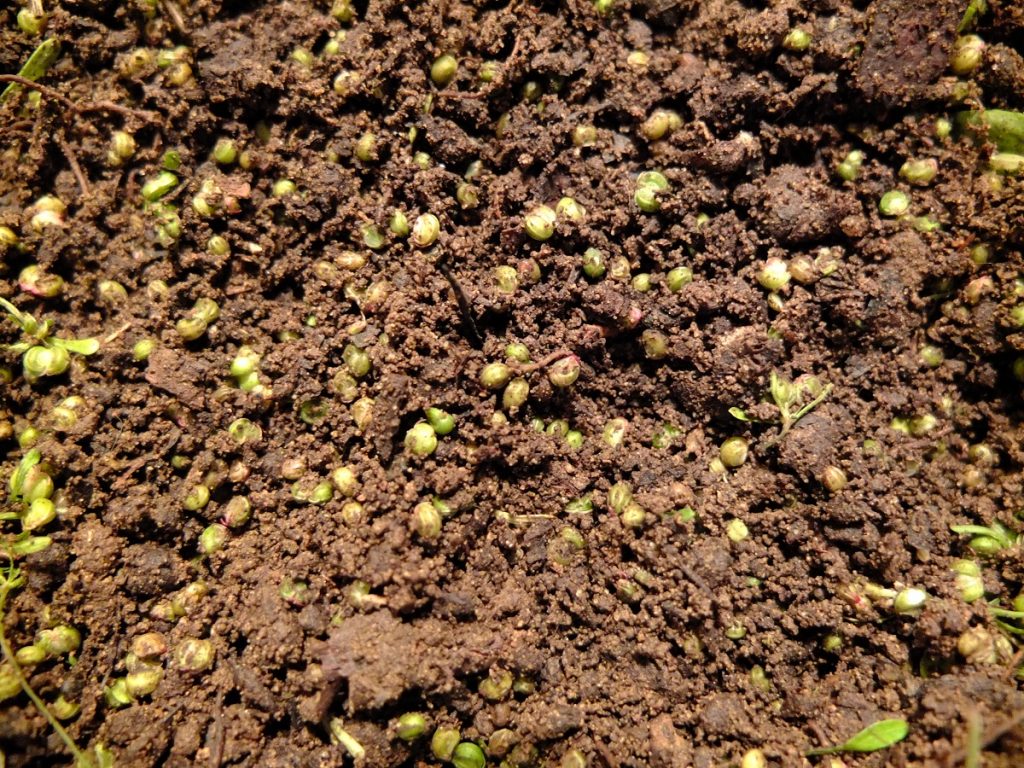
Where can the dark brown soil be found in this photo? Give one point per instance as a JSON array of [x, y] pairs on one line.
[[639, 648]]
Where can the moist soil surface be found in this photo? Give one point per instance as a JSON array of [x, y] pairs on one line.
[[659, 633]]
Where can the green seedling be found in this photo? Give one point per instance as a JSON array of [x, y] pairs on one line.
[[1002, 127], [43, 354], [10, 579], [793, 399], [974, 9], [876, 736], [35, 67], [989, 539]]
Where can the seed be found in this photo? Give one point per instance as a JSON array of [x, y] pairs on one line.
[[657, 125], [143, 682], [967, 54], [518, 352], [194, 655], [634, 516], [574, 758], [678, 278], [346, 83], [620, 495], [540, 223], [593, 263], [516, 394], [236, 512], [399, 224], [894, 203], [849, 168], [444, 742], [421, 440], [733, 452], [29, 656], [736, 530], [426, 521], [584, 135], [283, 188], [569, 209], [495, 375], [655, 344], [362, 412], [931, 355], [441, 421], [60, 640], [796, 40], [44, 361], [646, 199], [920, 172], [443, 70], [489, 70], [197, 498], [496, 686], [909, 601], [968, 580], [754, 758], [506, 279], [834, 479], [357, 360], [425, 230], [468, 755], [468, 196], [774, 275], [244, 431], [30, 23], [366, 147], [564, 372], [615, 432], [410, 726]]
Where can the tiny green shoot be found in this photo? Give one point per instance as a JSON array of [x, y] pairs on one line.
[[876, 736]]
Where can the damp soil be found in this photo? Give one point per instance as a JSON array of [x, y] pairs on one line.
[[642, 646]]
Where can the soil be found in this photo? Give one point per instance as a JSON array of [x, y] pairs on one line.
[[644, 647]]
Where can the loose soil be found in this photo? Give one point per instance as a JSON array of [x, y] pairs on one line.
[[637, 649]]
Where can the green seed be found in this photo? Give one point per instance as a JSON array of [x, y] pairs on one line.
[[615, 432], [646, 199], [593, 263], [194, 655], [443, 743], [213, 538], [584, 135], [225, 152], [236, 512], [564, 372], [967, 55], [540, 223], [218, 246], [931, 355], [197, 498], [516, 394], [30, 656], [59, 640], [849, 168], [468, 755], [468, 196], [678, 278], [495, 375], [634, 516], [620, 496], [569, 209], [443, 70], [920, 172], [30, 23], [641, 283], [655, 344], [399, 224], [421, 440], [506, 279], [32, 279], [366, 147], [733, 452], [410, 726], [244, 431], [426, 521], [518, 352], [425, 230], [909, 601], [894, 203], [796, 40], [158, 186], [657, 125], [489, 71], [283, 188], [44, 361], [357, 360], [496, 686], [774, 275], [441, 421], [737, 530]]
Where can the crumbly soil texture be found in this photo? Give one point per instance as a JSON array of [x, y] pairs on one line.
[[546, 620]]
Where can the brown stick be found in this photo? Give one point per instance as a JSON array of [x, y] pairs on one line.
[[558, 354], [76, 169], [82, 109]]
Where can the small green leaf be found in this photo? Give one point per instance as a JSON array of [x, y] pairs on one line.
[[738, 413], [36, 65], [78, 346], [980, 530], [876, 736], [17, 480]]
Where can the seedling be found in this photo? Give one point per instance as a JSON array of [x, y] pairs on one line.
[[793, 399], [989, 539], [44, 354], [876, 736]]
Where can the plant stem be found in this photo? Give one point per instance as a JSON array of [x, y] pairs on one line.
[[81, 759]]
